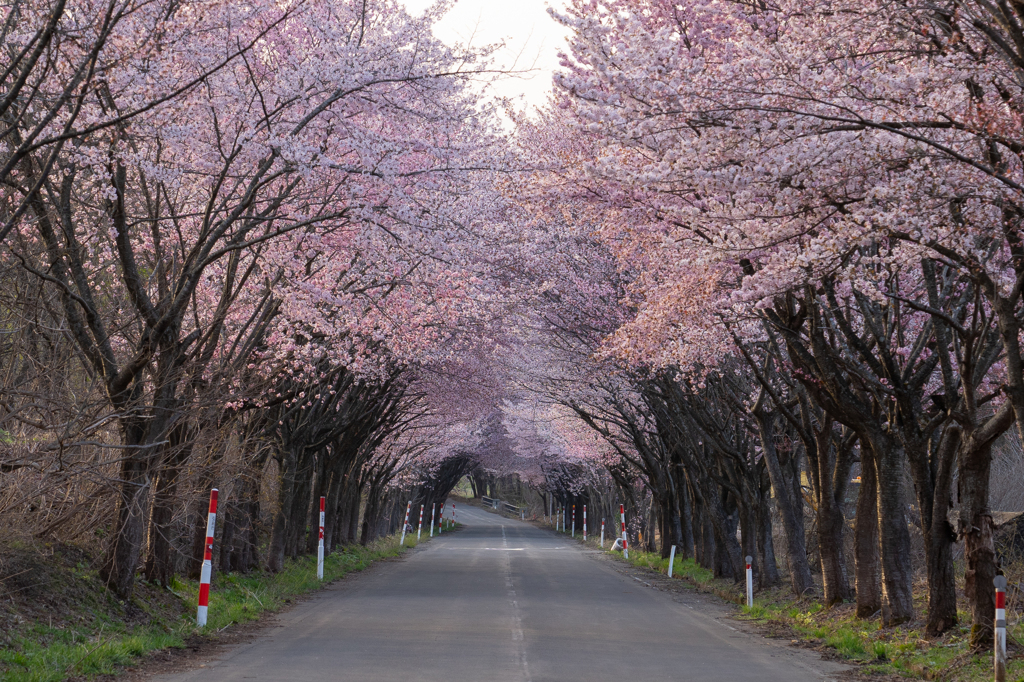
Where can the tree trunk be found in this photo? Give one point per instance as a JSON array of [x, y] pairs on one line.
[[126, 539], [766, 547], [159, 563], [897, 572], [790, 506], [867, 565], [979, 548], [285, 502]]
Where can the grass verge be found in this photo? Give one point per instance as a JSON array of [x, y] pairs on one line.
[[81, 630], [902, 651]]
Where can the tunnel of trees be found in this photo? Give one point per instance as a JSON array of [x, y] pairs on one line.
[[747, 275]]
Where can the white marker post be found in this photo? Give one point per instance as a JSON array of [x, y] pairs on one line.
[[320, 546], [204, 576], [750, 583], [440, 521], [584, 523], [574, 520], [1000, 639], [625, 542], [671, 560], [419, 528], [405, 524], [602, 532], [433, 508]]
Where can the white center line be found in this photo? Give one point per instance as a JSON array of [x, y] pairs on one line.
[[517, 624]]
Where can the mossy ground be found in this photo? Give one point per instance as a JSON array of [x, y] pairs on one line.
[[58, 622], [901, 651]]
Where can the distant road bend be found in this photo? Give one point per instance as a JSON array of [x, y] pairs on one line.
[[502, 601]]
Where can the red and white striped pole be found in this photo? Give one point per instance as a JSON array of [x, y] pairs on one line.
[[405, 524], [419, 528], [574, 520], [602, 532], [625, 542], [750, 583], [433, 509], [440, 520], [204, 577], [320, 547], [584, 523], [453, 513], [1000, 638]]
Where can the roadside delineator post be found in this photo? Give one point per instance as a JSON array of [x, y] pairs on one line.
[[1000, 639], [433, 508], [405, 524], [320, 545], [750, 583], [584, 523], [671, 560], [602, 532], [625, 542], [204, 576], [440, 520], [574, 520], [453, 514], [419, 528]]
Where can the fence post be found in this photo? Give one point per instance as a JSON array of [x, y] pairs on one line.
[[602, 532], [625, 541], [204, 576], [1000, 638], [584, 523], [750, 583], [320, 545], [671, 560], [405, 523]]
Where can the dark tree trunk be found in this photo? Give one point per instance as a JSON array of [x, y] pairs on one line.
[[897, 572], [285, 502], [160, 564], [766, 548], [786, 486], [834, 465], [122, 559], [867, 564], [228, 551], [686, 520], [979, 548]]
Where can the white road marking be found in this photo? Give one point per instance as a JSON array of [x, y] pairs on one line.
[[517, 623]]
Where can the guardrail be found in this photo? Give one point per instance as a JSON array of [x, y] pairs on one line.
[[499, 506]]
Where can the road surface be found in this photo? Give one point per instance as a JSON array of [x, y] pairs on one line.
[[502, 601]]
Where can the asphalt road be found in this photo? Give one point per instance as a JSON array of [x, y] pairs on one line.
[[502, 601]]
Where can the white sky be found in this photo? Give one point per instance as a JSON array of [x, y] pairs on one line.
[[532, 40]]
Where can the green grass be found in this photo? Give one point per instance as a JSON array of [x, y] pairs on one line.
[[102, 644]]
